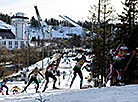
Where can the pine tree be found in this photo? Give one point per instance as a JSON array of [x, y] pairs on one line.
[[34, 22], [129, 18], [102, 42]]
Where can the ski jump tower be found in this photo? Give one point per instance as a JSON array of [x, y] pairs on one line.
[[43, 24], [77, 29]]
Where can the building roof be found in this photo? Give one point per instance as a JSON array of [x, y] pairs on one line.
[[7, 33], [19, 17]]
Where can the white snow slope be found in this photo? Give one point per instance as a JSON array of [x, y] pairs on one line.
[[108, 94]]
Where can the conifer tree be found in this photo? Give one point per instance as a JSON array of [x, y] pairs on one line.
[[102, 42]]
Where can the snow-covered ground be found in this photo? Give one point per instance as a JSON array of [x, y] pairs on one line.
[[127, 93]]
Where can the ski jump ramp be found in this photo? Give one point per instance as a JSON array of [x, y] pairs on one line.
[[76, 26]]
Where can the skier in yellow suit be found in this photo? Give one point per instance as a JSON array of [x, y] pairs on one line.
[[34, 74]]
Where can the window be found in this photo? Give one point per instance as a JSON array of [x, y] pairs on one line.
[[10, 44], [0, 43], [4, 43], [22, 43], [16, 44]]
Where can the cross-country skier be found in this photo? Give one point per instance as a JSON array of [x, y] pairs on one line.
[[56, 70], [49, 73], [3, 84], [34, 74], [15, 89], [115, 64], [77, 69]]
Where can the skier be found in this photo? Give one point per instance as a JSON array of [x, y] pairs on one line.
[[115, 64], [56, 63], [56, 70], [34, 74], [77, 69], [15, 89], [3, 84], [49, 73]]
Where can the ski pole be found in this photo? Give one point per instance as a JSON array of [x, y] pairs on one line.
[[129, 61]]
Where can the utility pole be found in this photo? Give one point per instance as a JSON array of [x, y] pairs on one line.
[[99, 8], [100, 69], [103, 53], [92, 37], [42, 43], [28, 47]]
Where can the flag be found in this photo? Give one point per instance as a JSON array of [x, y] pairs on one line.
[[56, 37], [24, 37], [49, 37]]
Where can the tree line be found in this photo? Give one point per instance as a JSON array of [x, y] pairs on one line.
[[35, 23], [5, 18]]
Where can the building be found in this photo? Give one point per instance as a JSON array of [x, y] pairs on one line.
[[14, 38]]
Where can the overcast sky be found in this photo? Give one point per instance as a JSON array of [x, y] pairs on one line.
[[75, 9]]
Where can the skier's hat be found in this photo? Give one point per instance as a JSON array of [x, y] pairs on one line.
[[83, 57], [36, 68], [5, 80], [123, 48]]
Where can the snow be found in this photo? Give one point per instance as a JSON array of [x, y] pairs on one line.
[[126, 93]]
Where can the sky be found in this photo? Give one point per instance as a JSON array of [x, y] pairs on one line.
[[75, 9]]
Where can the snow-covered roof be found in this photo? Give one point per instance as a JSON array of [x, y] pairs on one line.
[[4, 25]]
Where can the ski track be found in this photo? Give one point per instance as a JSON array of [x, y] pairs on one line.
[[28, 97], [104, 94]]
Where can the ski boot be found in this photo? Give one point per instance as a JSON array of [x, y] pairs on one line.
[[55, 88], [44, 90], [7, 93], [37, 91]]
